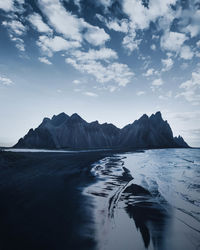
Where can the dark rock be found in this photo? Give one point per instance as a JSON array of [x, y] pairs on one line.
[[63, 131]]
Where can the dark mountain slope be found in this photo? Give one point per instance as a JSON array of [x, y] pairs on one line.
[[63, 131]]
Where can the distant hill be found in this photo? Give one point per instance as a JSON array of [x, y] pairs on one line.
[[63, 131]]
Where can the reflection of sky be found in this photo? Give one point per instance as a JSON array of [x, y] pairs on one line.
[[107, 60], [161, 184]]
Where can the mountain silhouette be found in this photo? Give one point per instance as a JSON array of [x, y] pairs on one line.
[[63, 131]]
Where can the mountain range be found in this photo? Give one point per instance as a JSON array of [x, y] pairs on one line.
[[73, 132]]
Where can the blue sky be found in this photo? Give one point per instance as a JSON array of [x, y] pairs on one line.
[[107, 60]]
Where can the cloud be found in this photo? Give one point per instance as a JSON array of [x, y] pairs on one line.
[[15, 30], [153, 47], [186, 116], [76, 82], [96, 36], [15, 27], [172, 41], [19, 42], [141, 16], [37, 22], [186, 53], [189, 19], [150, 72], [8, 5], [106, 3], [139, 93], [44, 60], [130, 42], [70, 26], [99, 64], [93, 55], [5, 81], [49, 45], [167, 63], [114, 24], [191, 89], [90, 94], [157, 82], [64, 22]]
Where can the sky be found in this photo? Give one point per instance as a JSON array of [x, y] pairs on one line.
[[107, 60]]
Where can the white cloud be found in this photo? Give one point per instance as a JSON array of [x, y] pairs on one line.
[[153, 47], [173, 41], [96, 36], [198, 44], [167, 63], [49, 45], [98, 63], [19, 42], [114, 24], [15, 27], [37, 22], [6, 5], [64, 22], [186, 53], [142, 16], [150, 72], [117, 72], [70, 26], [139, 93], [44, 60], [197, 54], [112, 88], [76, 82], [92, 55], [191, 89], [5, 81], [189, 19], [157, 82], [192, 29], [130, 42], [90, 94]]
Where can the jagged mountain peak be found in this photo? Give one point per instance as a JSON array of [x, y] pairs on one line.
[[157, 116], [145, 116], [59, 119], [76, 117], [63, 131]]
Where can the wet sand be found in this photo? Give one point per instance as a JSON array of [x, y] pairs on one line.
[[129, 216], [41, 201], [84, 201]]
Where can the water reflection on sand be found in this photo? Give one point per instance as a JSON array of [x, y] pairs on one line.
[[129, 216]]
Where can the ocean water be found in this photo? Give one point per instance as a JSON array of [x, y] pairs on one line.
[[147, 200], [27, 150]]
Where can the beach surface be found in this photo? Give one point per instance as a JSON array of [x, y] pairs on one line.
[[42, 206], [100, 200]]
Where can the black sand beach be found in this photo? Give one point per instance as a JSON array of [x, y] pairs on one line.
[[97, 200], [41, 202]]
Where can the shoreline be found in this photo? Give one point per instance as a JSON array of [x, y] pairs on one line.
[[42, 206], [129, 213]]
